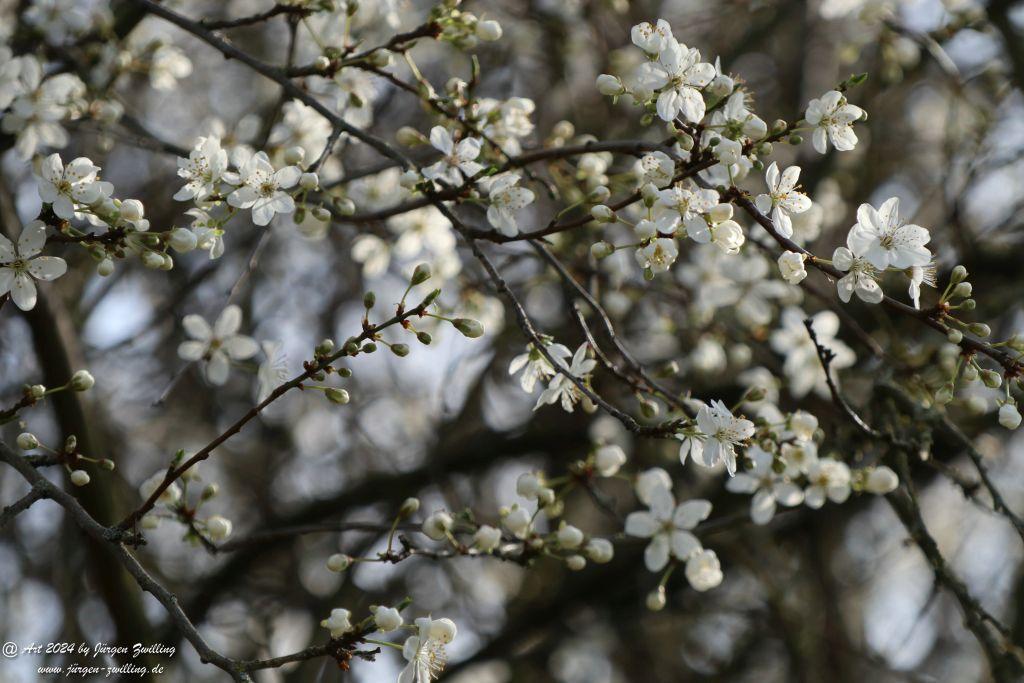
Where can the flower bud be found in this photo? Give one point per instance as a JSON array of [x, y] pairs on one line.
[[410, 137], [324, 348], [218, 528], [991, 379], [609, 85], [27, 441], [944, 395], [487, 538], [1009, 416], [599, 550], [345, 206], [210, 491], [962, 290], [387, 619], [569, 536], [81, 381], [488, 30], [37, 391], [108, 465], [182, 240], [795, 140], [955, 336], [599, 195], [685, 141], [322, 63], [656, 599], [71, 444], [105, 267], [79, 477], [608, 460], [424, 338], [881, 480], [602, 249], [438, 525], [980, 329], [339, 396], [400, 350], [309, 181], [369, 347], [576, 562], [602, 213], [421, 274], [958, 275], [468, 327], [968, 304], [338, 562], [294, 155], [409, 507], [149, 522], [152, 259], [132, 210]]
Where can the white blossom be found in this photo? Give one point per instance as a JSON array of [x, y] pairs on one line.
[[791, 265], [535, 366], [703, 570], [782, 199], [263, 188], [387, 619], [564, 390], [717, 227], [657, 168], [883, 240], [68, 188], [425, 651], [168, 66], [802, 367], [832, 117], [609, 459], [339, 623], [458, 160], [668, 526], [1009, 416], [767, 486], [859, 278], [203, 169], [506, 198], [217, 346], [21, 263], [678, 73], [828, 479], [658, 254], [723, 432], [272, 372]]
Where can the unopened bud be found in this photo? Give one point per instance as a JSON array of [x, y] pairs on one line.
[[656, 599], [421, 274], [79, 477], [958, 275], [980, 329], [309, 181], [27, 441], [339, 396], [409, 507], [962, 290], [325, 347], [468, 327], [424, 338], [105, 267], [294, 155], [400, 350], [81, 381], [602, 213], [609, 85], [345, 206], [338, 562], [602, 249], [322, 63], [70, 444], [955, 336], [991, 379], [182, 240], [410, 137]]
